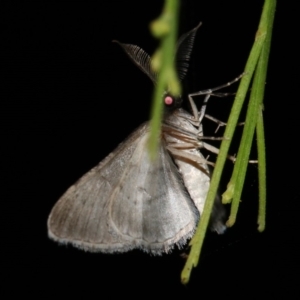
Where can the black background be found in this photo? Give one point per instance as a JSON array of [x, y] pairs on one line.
[[70, 96]]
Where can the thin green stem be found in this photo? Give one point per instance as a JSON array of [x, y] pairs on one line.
[[260, 125], [164, 28], [236, 182], [261, 150], [198, 238], [256, 98]]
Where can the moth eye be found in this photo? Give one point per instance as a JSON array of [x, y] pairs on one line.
[[169, 101]]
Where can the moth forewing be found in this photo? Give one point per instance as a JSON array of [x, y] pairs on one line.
[[80, 216], [127, 201]]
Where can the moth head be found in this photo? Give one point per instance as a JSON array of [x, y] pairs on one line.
[[171, 102]]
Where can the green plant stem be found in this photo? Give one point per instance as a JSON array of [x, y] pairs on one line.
[[261, 150], [197, 241], [260, 125], [256, 98], [165, 28]]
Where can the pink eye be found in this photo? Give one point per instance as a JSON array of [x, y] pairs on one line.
[[169, 100]]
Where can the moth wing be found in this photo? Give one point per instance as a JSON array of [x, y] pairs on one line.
[[126, 202], [150, 207], [81, 216]]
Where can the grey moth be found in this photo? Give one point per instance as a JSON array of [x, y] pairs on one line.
[[128, 200]]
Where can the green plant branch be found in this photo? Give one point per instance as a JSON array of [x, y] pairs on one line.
[[235, 185], [261, 148], [256, 98], [197, 240], [164, 28]]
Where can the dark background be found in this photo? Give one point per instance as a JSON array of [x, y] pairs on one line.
[[70, 96]]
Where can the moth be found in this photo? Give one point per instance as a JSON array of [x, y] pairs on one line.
[[128, 200]]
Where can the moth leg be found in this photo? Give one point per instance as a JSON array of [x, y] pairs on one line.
[[185, 146], [220, 123], [182, 155], [189, 141], [176, 148], [198, 116], [209, 91], [212, 138], [216, 151], [181, 134]]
